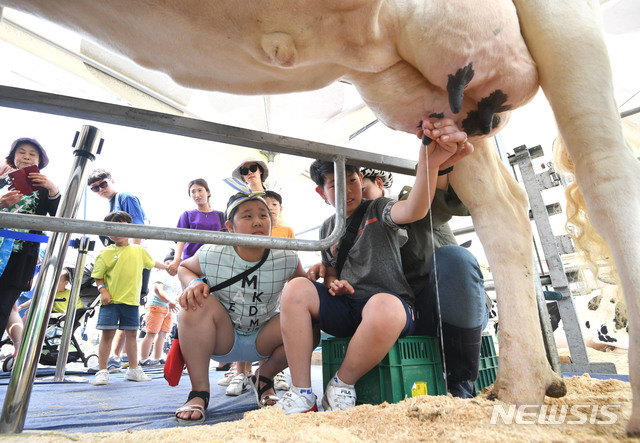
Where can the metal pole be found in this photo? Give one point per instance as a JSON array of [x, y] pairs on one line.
[[172, 124], [70, 315], [571, 324], [60, 224], [545, 323], [16, 401]]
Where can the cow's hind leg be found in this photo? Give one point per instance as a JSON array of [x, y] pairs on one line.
[[566, 42], [499, 208]]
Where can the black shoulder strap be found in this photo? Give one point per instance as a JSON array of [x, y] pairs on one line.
[[346, 242], [232, 280], [221, 217]]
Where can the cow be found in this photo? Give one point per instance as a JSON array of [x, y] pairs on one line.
[[603, 320], [468, 60]]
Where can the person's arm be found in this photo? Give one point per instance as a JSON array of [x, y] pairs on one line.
[[447, 141], [24, 305], [195, 290], [335, 285], [158, 288], [39, 179], [183, 222], [173, 266], [105, 297], [160, 265], [132, 206], [330, 279], [316, 271], [443, 182], [300, 272], [10, 198]]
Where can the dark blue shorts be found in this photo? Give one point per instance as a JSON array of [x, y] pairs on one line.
[[340, 316], [118, 316]]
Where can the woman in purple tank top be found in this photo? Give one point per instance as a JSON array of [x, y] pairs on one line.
[[203, 218]]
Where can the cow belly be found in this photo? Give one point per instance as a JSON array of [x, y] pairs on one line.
[[273, 47]]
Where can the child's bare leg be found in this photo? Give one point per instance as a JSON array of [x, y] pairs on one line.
[[158, 345], [269, 342], [383, 319], [243, 366], [145, 346], [203, 332], [118, 343], [131, 346], [299, 304], [104, 348], [15, 327]]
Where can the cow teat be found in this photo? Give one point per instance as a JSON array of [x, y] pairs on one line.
[[280, 48]]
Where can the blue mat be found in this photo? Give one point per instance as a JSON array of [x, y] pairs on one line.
[[125, 405], [621, 377]]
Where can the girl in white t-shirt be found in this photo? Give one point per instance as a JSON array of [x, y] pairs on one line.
[[240, 322]]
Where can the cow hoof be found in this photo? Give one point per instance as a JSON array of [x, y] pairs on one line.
[[633, 427], [529, 390], [557, 388]]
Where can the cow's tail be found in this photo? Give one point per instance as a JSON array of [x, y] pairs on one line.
[[595, 251], [589, 244]]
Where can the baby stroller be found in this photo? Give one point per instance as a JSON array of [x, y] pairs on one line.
[[49, 355]]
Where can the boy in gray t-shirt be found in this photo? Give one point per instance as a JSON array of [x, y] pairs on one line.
[[369, 299]]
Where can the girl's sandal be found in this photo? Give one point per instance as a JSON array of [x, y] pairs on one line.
[[261, 399], [204, 395]]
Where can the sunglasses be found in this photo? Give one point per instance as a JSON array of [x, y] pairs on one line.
[[253, 168], [101, 185]]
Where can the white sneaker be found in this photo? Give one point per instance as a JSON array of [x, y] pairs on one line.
[[228, 376], [238, 385], [280, 382], [136, 374], [338, 396], [294, 403], [102, 378]]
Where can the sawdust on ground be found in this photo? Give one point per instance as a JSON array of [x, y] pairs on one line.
[[619, 358], [425, 418]]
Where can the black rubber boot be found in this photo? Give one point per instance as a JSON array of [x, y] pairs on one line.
[[462, 356]]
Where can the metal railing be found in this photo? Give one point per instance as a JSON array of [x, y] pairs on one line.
[[19, 390]]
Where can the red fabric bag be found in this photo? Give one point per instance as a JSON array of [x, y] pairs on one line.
[[174, 365]]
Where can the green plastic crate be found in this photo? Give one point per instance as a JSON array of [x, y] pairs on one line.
[[411, 360], [488, 364]]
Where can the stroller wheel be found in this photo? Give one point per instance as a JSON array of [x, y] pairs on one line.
[[7, 364], [91, 361]]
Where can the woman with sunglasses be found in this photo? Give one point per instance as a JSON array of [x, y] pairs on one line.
[[42, 200], [254, 172]]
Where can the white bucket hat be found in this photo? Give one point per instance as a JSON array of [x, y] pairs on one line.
[[261, 163]]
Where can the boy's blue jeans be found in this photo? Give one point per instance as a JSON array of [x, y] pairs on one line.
[[461, 292]]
